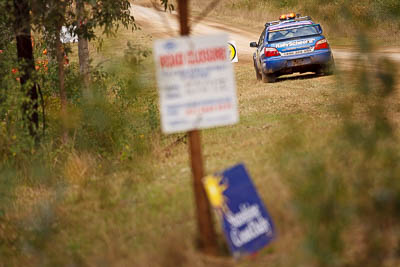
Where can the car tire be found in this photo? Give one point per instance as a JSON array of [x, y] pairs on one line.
[[268, 78], [258, 75], [327, 69], [330, 68]]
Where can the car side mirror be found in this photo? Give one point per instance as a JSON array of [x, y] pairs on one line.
[[253, 44]]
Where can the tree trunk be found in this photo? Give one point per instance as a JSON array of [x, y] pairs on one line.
[[61, 77], [83, 45], [22, 29]]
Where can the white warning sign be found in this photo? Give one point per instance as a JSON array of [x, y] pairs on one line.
[[196, 83]]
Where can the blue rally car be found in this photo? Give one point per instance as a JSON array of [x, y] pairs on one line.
[[291, 44]]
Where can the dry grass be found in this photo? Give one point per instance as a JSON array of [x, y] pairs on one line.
[[141, 213], [265, 109], [340, 29], [79, 168]]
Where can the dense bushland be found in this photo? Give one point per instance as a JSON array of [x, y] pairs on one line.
[[45, 187]]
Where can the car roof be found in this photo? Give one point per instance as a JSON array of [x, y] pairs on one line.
[[288, 24]]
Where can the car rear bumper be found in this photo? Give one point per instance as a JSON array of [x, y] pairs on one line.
[[297, 63]]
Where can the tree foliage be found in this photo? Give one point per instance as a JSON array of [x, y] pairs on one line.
[[46, 18]]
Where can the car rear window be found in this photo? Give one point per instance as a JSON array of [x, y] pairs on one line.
[[282, 34]]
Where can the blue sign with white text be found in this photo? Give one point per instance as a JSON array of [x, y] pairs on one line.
[[246, 222]]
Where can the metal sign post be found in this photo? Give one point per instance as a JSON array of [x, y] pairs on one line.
[[207, 236]]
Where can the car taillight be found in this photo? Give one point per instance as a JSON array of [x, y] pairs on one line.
[[321, 44], [271, 52]]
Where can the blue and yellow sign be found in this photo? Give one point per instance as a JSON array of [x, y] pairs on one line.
[[246, 222]]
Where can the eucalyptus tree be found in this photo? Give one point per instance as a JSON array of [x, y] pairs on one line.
[[47, 17], [106, 15], [15, 28]]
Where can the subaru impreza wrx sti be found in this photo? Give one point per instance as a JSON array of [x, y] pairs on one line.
[[289, 45]]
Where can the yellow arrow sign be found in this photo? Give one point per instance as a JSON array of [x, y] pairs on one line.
[[232, 51]]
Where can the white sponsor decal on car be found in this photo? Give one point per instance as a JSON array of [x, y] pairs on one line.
[[298, 52], [294, 43]]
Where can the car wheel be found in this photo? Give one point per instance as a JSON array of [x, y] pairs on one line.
[[327, 69], [258, 75], [330, 68], [268, 78]]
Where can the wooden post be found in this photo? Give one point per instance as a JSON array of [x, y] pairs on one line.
[[207, 236]]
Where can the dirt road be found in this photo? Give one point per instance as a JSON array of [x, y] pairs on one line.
[[164, 24]]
